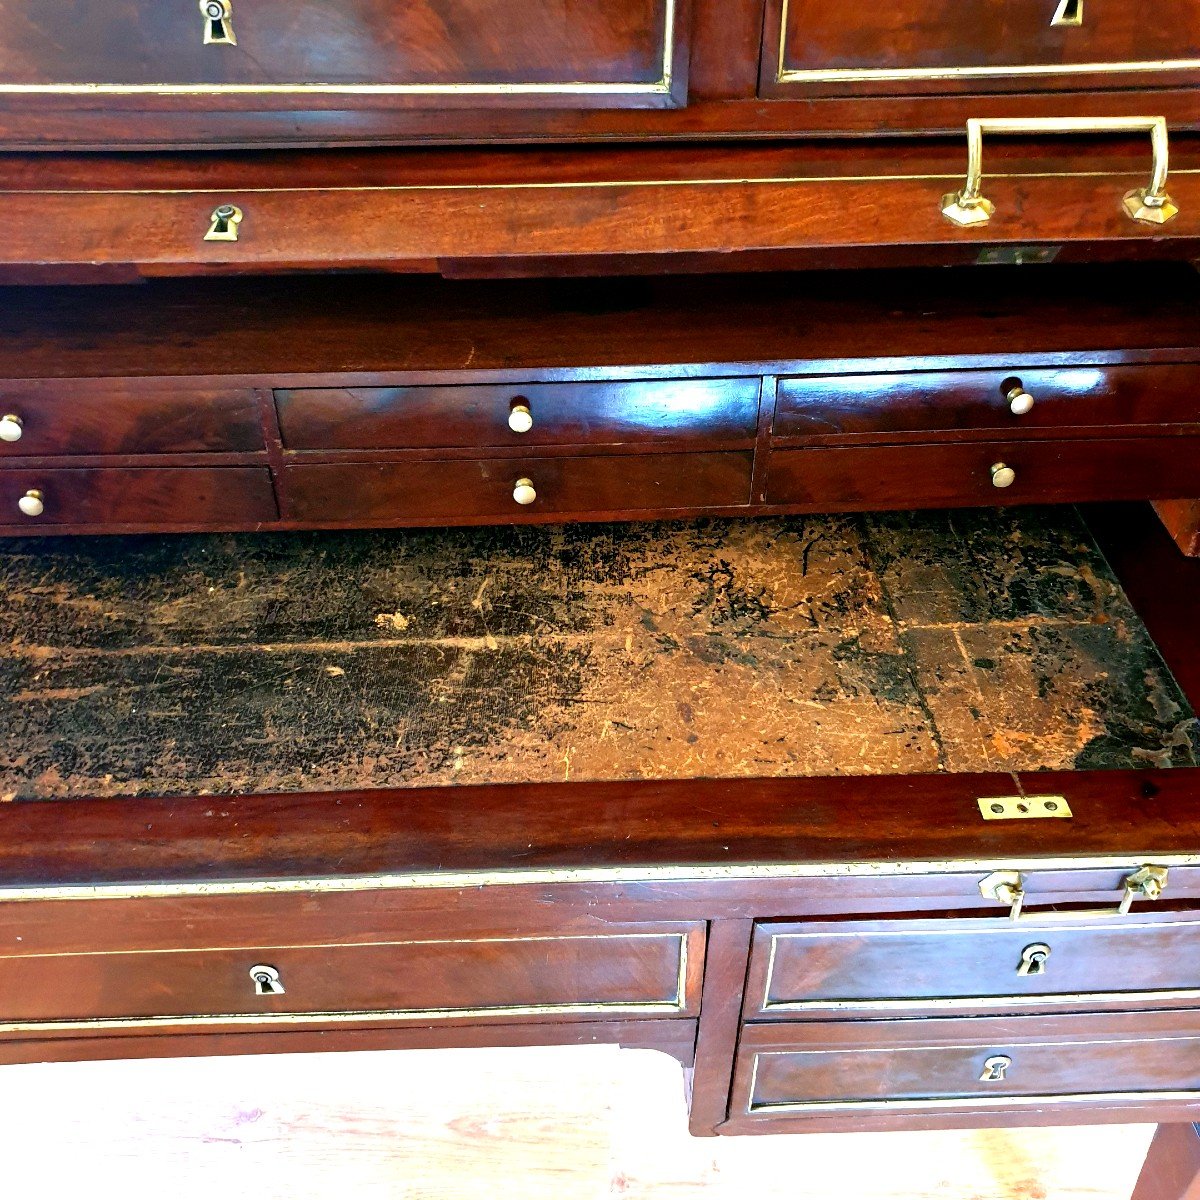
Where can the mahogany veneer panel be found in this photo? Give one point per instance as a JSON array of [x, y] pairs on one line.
[[162, 496], [683, 410]]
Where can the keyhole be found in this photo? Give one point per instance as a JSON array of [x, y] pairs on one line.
[[267, 981], [1068, 12], [1033, 959], [994, 1069], [218, 18], [225, 222]]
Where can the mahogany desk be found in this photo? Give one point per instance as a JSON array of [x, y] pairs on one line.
[[763, 900]]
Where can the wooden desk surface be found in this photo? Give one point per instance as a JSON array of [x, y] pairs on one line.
[[968, 641]]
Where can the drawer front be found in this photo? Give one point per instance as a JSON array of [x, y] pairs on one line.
[[943, 46], [531, 52], [981, 1063], [518, 414], [817, 968], [59, 418], [647, 970], [151, 497], [945, 475], [485, 488], [851, 406]]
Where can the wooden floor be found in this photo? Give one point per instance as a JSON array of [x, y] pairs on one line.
[[573, 1123]]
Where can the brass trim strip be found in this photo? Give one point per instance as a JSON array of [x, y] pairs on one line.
[[580, 875], [602, 1008], [969, 1002], [660, 87], [560, 185], [1021, 70]]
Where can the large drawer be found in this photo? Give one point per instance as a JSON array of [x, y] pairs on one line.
[[981, 1063], [944, 46], [1060, 961], [652, 970], [439, 52], [145, 496], [830, 407], [57, 417], [487, 488], [968, 473], [538, 414]]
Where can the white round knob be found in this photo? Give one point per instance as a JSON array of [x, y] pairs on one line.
[[1019, 400], [32, 504], [11, 428], [1003, 475], [523, 491], [520, 419]]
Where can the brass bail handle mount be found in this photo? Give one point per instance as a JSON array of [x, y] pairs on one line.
[[1150, 205], [1008, 888]]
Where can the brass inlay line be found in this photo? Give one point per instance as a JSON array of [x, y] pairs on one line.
[[603, 1008], [267, 947], [558, 185], [579, 875], [661, 86], [900, 74]]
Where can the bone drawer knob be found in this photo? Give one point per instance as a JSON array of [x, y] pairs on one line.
[[11, 428], [524, 492], [32, 504], [1019, 400], [1003, 475], [520, 419]]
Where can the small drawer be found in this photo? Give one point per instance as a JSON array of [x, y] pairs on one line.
[[807, 1070], [649, 970], [948, 474], [508, 489], [538, 414], [151, 497], [836, 407], [815, 969], [924, 46], [57, 417]]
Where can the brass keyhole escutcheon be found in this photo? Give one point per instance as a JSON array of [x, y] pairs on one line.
[[1033, 959], [995, 1068], [225, 221], [267, 981], [218, 23]]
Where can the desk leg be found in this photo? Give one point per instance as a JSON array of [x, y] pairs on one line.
[[1172, 1168]]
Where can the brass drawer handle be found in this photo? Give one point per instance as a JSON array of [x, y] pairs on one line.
[[1150, 205], [11, 428], [218, 23], [1008, 888]]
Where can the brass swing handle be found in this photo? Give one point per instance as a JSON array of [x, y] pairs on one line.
[[1008, 888], [1150, 205]]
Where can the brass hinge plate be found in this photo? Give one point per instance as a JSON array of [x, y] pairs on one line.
[[1023, 808]]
